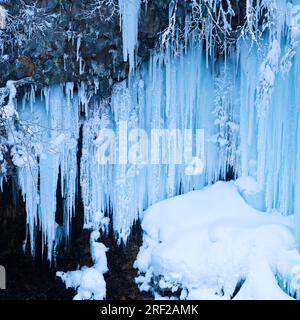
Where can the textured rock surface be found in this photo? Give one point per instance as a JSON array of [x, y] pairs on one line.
[[41, 39], [48, 51]]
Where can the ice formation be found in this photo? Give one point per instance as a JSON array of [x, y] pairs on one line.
[[249, 120], [149, 103], [54, 120], [246, 101], [129, 20]]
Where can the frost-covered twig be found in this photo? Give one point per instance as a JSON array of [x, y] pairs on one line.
[[29, 22], [14, 139], [105, 9], [218, 24]]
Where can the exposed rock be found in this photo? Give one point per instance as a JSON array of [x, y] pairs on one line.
[[24, 67], [51, 53]]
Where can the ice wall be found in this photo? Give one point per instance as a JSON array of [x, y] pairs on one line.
[[170, 93], [269, 108], [247, 105]]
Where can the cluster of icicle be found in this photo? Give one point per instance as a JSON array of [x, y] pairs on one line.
[[247, 106], [54, 119]]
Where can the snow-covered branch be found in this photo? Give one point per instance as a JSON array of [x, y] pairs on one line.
[[222, 23], [105, 9], [27, 23], [14, 138]]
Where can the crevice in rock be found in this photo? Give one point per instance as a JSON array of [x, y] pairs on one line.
[[120, 284]]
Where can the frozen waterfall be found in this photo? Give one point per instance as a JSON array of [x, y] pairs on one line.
[[240, 113]]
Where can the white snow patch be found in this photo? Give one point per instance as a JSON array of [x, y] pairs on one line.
[[89, 282], [210, 242], [247, 185]]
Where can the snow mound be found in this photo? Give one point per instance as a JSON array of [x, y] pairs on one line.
[[89, 281], [210, 244]]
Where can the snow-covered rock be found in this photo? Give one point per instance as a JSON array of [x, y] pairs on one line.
[[213, 245], [89, 281]]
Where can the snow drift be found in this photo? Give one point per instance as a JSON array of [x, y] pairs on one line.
[[210, 244]]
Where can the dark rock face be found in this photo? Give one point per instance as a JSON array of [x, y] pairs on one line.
[[44, 45], [41, 39]]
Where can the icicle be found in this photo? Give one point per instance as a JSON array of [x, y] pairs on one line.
[[28, 181], [129, 19], [81, 66], [78, 44]]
